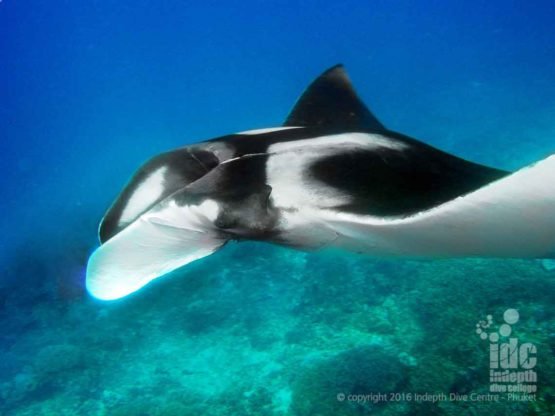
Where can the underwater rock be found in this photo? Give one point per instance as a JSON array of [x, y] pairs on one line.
[[206, 315], [20, 387], [59, 358], [92, 407], [467, 380], [548, 265], [359, 371]]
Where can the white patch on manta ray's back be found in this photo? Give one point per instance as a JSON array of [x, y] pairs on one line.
[[268, 130], [144, 195], [288, 162]]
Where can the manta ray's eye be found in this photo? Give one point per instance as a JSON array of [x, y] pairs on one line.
[[225, 222]]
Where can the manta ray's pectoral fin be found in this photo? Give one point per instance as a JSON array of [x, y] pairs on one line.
[[154, 181], [511, 217], [331, 101], [158, 242]]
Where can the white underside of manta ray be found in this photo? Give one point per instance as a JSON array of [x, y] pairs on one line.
[[332, 176]]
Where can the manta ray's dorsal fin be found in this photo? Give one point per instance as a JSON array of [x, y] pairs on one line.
[[332, 101]]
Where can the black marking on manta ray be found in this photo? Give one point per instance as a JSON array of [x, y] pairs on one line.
[[240, 188], [400, 182]]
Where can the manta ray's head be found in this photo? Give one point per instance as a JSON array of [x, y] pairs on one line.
[[188, 178], [180, 206]]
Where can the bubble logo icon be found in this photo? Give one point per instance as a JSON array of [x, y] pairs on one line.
[[510, 317], [482, 326]]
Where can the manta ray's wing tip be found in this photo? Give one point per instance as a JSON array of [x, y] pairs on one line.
[[105, 280]]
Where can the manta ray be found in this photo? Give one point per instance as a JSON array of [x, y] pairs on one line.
[[332, 176]]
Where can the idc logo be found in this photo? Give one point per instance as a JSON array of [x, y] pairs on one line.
[[511, 361]]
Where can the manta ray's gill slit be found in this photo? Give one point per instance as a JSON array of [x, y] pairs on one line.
[[196, 159], [242, 157]]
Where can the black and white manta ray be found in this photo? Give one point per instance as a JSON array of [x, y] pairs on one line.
[[331, 176]]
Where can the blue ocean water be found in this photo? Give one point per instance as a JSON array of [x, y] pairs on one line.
[[90, 90]]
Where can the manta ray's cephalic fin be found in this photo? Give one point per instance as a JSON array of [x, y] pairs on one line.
[[159, 241]]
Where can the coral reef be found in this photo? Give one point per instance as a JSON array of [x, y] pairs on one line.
[[260, 330]]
